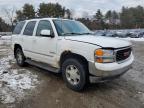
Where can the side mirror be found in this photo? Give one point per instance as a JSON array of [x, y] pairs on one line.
[[46, 33]]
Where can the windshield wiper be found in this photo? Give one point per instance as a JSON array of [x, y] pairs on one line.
[[64, 34], [86, 34], [71, 34]]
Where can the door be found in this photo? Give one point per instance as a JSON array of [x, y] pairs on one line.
[[27, 38], [44, 47]]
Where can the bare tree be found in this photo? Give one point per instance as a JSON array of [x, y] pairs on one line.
[[10, 14]]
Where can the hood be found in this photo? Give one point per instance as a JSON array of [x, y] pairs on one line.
[[100, 41]]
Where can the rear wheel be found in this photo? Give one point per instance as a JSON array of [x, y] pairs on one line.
[[20, 58], [74, 74]]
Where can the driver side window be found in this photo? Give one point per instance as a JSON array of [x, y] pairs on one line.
[[44, 25]]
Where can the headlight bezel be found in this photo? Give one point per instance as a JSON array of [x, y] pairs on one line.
[[108, 55]]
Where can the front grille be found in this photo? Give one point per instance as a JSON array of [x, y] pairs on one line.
[[123, 54]]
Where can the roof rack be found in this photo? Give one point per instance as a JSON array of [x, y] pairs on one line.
[[45, 17], [40, 17]]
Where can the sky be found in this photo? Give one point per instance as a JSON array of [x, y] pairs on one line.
[[80, 7]]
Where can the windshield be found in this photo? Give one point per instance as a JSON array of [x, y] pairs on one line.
[[70, 28]]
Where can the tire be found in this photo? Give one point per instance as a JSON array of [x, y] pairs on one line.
[[74, 80], [20, 58]]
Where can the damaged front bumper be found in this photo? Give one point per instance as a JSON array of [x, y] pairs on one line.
[[105, 72]]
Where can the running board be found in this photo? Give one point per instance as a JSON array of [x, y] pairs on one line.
[[42, 65]]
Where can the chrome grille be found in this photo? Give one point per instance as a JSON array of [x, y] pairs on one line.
[[123, 54]]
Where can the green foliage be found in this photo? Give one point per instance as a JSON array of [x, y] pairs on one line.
[[27, 12], [128, 17], [68, 13], [19, 16], [99, 16], [44, 10], [108, 15], [100, 19], [115, 15], [132, 17], [51, 10], [3, 26]]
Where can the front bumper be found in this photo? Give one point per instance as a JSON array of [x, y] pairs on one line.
[[105, 72]]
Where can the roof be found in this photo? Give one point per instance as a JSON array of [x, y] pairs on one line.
[[45, 19]]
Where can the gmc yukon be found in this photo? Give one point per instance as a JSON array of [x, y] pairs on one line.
[[68, 47]]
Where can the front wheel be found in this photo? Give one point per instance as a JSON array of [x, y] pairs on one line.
[[74, 74], [20, 58]]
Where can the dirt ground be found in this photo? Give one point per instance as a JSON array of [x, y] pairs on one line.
[[51, 92]]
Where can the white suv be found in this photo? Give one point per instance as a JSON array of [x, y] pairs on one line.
[[68, 47]]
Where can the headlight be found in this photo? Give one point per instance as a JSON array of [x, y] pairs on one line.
[[104, 56]]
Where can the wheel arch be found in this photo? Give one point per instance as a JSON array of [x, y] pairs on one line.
[[68, 54]]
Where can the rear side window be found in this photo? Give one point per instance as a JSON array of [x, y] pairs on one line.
[[29, 28], [19, 27]]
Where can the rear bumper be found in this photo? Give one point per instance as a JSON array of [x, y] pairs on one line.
[[106, 72]]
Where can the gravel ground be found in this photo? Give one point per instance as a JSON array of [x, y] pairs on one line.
[[31, 87]]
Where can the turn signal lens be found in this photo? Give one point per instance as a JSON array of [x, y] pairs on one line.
[[99, 60], [99, 52]]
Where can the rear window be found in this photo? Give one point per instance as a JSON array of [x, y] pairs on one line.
[[29, 28], [19, 27]]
